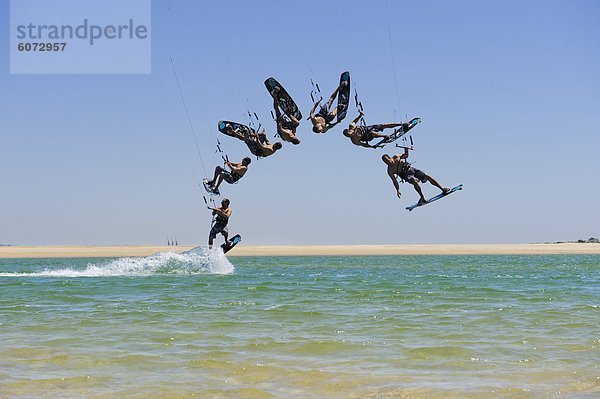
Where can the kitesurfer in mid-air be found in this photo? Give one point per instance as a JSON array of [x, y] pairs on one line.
[[398, 166], [238, 170], [361, 135], [286, 125], [323, 120], [257, 143], [221, 218]]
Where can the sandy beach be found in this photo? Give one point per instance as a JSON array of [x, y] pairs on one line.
[[357, 250]]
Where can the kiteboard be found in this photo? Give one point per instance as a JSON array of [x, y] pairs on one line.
[[224, 127], [343, 96], [437, 197], [209, 188], [232, 242], [284, 100], [398, 133]]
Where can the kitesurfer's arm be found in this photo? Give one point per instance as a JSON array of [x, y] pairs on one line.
[[276, 108], [280, 124], [355, 121], [294, 120], [405, 155], [226, 213], [396, 185], [263, 137], [282, 130], [267, 149], [237, 168], [260, 144], [314, 108], [391, 125]]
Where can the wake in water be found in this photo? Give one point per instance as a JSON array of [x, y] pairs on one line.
[[197, 261]]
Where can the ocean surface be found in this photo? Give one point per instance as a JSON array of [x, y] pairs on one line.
[[196, 326]]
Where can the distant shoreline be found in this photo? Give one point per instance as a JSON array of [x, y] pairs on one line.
[[306, 250]]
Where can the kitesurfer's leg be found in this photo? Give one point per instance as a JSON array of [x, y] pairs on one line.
[[333, 96], [418, 190], [276, 108], [262, 137], [218, 182], [294, 120], [217, 229], [235, 133], [377, 135], [435, 183], [334, 112], [218, 171], [211, 237], [390, 125]]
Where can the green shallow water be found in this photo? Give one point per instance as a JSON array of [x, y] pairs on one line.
[[174, 326]]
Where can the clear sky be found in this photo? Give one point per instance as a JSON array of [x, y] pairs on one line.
[[508, 91]]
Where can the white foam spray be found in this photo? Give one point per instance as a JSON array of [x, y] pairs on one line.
[[199, 260]]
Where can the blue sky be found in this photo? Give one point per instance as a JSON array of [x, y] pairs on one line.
[[508, 92]]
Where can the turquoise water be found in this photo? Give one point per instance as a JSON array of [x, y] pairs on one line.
[[184, 326]]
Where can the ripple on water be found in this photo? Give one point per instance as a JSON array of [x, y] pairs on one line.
[[342, 327]]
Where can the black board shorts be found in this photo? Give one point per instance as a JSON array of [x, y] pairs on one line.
[[366, 135], [289, 125], [375, 128], [325, 114], [254, 148], [230, 177], [366, 132], [218, 228], [413, 175]]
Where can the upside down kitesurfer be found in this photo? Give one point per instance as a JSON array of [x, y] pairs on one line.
[[221, 218], [323, 120], [257, 143], [238, 170], [397, 166], [286, 125]]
